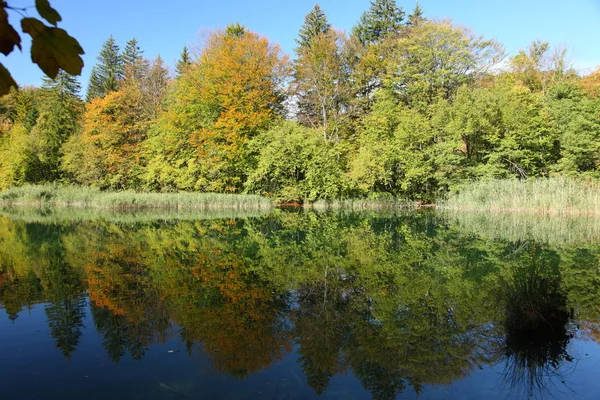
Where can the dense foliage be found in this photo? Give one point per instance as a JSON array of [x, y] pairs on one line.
[[404, 106]]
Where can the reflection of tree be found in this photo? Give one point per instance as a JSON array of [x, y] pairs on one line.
[[65, 318], [534, 347], [401, 302], [19, 292], [322, 323], [234, 315]]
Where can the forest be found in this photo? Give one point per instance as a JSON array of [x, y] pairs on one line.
[[402, 106]]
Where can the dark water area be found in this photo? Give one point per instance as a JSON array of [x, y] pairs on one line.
[[295, 305]]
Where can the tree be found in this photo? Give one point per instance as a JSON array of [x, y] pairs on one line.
[[108, 152], [108, 71], [315, 23], [591, 84], [60, 111], [94, 86], [155, 86], [17, 160], [436, 59], [135, 66], [321, 84], [384, 18], [539, 67], [295, 163], [52, 49], [416, 17], [184, 61], [231, 93]]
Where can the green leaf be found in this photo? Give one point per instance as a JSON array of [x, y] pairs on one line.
[[53, 49], [47, 12], [9, 38], [6, 81]]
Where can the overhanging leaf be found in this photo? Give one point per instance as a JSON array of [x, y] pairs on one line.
[[9, 38], [47, 12], [6, 81], [53, 49]]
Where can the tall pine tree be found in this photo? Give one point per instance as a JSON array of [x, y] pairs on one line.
[[383, 18], [60, 109], [416, 18], [315, 23], [108, 71], [135, 66], [184, 61]]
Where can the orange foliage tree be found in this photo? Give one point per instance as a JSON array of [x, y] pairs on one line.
[[232, 92], [108, 152], [591, 83]]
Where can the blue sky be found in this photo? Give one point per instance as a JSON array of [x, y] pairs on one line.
[[164, 27]]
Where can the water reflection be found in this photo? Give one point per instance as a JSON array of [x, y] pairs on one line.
[[400, 302]]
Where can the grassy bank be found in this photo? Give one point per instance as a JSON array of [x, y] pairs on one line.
[[76, 196], [540, 196]]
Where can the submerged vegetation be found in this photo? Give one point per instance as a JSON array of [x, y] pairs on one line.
[[403, 106]]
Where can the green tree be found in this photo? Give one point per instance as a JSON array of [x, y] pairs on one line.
[[416, 17], [135, 66], [321, 85], [184, 61], [383, 18], [295, 163], [436, 59], [60, 112], [315, 23], [108, 71]]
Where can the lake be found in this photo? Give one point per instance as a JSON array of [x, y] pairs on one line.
[[298, 305]]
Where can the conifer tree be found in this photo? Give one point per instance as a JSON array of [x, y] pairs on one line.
[[60, 108], [108, 71], [132, 52], [94, 88], [184, 61], [315, 23], [235, 30], [416, 18], [157, 81], [65, 84], [383, 18], [135, 66]]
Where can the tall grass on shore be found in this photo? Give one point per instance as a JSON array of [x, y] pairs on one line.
[[76, 196], [544, 196]]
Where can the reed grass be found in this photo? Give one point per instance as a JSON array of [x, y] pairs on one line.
[[54, 195], [541, 196]]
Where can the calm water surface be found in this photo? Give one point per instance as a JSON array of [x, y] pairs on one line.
[[295, 305]]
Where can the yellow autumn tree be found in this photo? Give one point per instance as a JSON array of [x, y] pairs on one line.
[[591, 83], [229, 94]]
